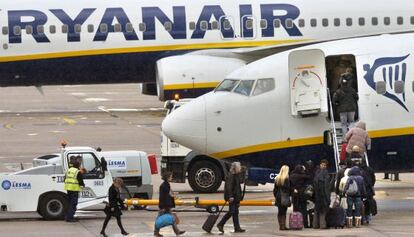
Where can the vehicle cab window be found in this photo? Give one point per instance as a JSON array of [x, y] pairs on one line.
[[263, 86], [227, 85], [244, 87], [89, 163]]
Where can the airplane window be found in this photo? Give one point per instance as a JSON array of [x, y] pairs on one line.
[[226, 24], [399, 87], [204, 25], [142, 27], [91, 28], [387, 21], [5, 30], [78, 28], [168, 26], [17, 30], [349, 21], [103, 28], [374, 21], [263, 23], [227, 85], [263, 86], [276, 23], [65, 29], [129, 27], [192, 25], [325, 22], [380, 87], [52, 29], [289, 23], [301, 23], [313, 22], [412, 20], [337, 22], [361, 21], [117, 28], [244, 87], [40, 29], [400, 20], [214, 25], [249, 24], [29, 30]]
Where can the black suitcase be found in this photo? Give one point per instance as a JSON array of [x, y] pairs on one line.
[[336, 217], [211, 220]]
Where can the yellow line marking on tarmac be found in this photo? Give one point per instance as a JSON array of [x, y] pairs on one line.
[[8, 126], [69, 121]]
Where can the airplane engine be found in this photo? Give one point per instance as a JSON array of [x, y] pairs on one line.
[[190, 76]]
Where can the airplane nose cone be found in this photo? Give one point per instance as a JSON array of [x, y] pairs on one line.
[[187, 125]]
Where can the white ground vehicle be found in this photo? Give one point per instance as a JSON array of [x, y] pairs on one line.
[[41, 188], [204, 173]]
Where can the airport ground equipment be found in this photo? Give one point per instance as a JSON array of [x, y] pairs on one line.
[[211, 206], [41, 188], [134, 167]]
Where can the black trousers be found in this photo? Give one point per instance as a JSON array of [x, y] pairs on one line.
[[73, 202], [233, 212], [118, 221]]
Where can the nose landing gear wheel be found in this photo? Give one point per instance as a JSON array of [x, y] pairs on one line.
[[205, 177]]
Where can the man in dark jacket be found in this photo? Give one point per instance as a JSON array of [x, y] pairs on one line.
[[369, 179], [233, 195], [298, 179], [322, 186], [345, 99]]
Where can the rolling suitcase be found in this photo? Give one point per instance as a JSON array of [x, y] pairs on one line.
[[336, 217], [211, 220], [296, 221]]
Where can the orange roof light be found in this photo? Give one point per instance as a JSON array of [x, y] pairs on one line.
[[177, 97]]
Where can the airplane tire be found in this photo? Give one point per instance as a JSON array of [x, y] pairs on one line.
[[53, 206], [205, 177]]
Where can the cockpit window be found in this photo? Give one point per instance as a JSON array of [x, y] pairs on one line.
[[263, 86], [244, 87], [227, 85]]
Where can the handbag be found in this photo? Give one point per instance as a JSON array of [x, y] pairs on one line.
[[285, 199], [309, 191]]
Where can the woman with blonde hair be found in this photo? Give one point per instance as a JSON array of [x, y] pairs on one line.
[[282, 192]]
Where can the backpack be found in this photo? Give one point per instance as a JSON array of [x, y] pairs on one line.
[[342, 184], [352, 188]]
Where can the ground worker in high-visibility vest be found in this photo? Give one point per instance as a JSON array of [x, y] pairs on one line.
[[73, 185]]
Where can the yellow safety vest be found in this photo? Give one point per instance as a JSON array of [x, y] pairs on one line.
[[71, 181]]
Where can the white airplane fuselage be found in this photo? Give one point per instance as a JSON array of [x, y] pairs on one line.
[[260, 130], [77, 42]]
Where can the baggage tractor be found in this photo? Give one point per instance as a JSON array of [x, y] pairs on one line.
[[296, 221], [336, 217]]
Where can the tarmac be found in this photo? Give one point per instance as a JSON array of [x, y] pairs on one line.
[[117, 117]]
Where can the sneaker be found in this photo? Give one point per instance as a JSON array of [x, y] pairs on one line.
[[240, 231]]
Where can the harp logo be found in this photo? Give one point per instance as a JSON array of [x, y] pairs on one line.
[[390, 73]]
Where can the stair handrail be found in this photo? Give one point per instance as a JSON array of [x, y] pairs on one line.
[[333, 127]]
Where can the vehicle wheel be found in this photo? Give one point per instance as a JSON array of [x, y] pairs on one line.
[[53, 206], [212, 209], [142, 196], [205, 177]]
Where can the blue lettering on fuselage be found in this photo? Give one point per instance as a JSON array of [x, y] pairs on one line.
[[212, 11], [15, 19], [108, 17], [67, 20], [268, 13], [176, 25]]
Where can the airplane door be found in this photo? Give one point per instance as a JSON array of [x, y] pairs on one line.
[[248, 29], [227, 27], [308, 86]]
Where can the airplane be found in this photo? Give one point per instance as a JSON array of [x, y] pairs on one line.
[[277, 110], [172, 46]]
